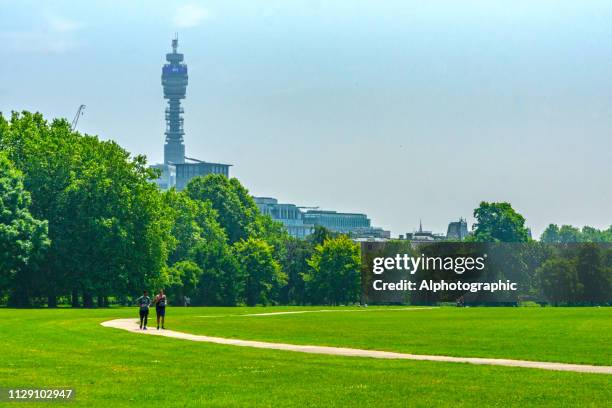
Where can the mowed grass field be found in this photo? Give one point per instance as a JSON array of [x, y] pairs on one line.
[[109, 367], [569, 335]]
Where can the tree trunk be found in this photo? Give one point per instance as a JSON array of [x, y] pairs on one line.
[[75, 298], [101, 301], [19, 298], [52, 301], [87, 300]]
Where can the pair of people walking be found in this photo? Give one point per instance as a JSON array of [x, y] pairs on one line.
[[144, 302]]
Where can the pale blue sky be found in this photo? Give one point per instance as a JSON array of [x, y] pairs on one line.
[[402, 110]]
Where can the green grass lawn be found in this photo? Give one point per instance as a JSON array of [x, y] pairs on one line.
[[114, 368], [570, 335]]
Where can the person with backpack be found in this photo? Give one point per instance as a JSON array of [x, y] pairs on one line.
[[143, 303], [160, 308]]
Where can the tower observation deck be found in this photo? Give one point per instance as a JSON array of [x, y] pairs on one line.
[[175, 171], [174, 81]]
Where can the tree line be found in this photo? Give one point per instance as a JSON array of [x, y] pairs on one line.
[[81, 222], [567, 266]]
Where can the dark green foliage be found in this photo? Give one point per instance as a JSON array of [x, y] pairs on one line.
[[236, 209], [334, 277], [81, 219], [320, 235], [569, 234], [498, 222], [550, 234], [559, 281], [295, 264], [263, 275], [106, 219], [225, 279], [594, 274], [23, 239], [183, 278], [222, 281], [200, 239]]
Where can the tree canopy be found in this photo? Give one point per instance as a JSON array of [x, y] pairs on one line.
[[107, 229], [553, 234], [82, 220], [334, 276], [499, 222], [23, 239]]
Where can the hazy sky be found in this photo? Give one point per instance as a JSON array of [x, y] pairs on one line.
[[402, 110]]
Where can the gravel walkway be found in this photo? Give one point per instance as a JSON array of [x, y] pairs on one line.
[[131, 325]]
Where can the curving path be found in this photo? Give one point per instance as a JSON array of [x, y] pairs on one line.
[[322, 311], [337, 311], [131, 325]]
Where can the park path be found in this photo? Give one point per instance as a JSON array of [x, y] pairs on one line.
[[321, 311], [131, 325], [337, 311]]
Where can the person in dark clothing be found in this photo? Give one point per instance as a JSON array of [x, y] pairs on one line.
[[143, 303], [160, 308]]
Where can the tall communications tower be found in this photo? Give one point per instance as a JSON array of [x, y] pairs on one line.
[[174, 80], [175, 171]]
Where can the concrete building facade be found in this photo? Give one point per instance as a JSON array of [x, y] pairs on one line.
[[457, 230], [288, 214], [300, 223]]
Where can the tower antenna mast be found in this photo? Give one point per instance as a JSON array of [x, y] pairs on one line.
[[174, 82]]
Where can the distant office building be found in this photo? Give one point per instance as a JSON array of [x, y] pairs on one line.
[[354, 224], [289, 214], [175, 171], [335, 221], [186, 171], [457, 230], [301, 223]]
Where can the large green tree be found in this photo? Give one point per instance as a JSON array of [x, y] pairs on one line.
[[559, 281], [295, 264], [200, 238], [22, 237], [499, 222], [46, 153], [550, 234], [594, 274], [334, 277], [194, 222], [262, 274], [116, 237], [237, 211], [107, 224], [224, 281]]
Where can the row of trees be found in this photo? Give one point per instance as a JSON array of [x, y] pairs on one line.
[[577, 274], [227, 253], [568, 234], [82, 222], [559, 269], [575, 269]]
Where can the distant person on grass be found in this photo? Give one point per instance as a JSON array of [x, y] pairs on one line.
[[160, 308], [143, 303]]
